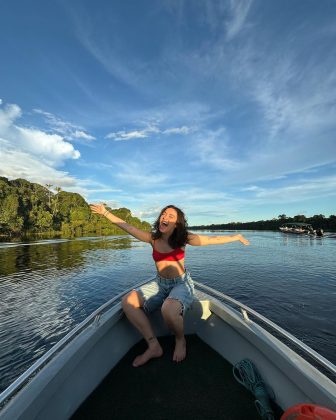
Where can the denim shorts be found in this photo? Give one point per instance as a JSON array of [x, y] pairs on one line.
[[155, 292]]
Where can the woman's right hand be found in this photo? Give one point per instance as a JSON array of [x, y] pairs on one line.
[[98, 209]]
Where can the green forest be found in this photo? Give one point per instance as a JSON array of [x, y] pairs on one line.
[[27, 208]]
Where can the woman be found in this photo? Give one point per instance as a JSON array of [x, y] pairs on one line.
[[173, 289]]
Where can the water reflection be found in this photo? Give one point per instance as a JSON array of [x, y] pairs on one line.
[[301, 240], [58, 253]]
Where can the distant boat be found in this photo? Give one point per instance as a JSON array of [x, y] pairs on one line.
[[300, 228]]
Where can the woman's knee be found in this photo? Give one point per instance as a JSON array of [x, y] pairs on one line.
[[171, 308], [132, 299]]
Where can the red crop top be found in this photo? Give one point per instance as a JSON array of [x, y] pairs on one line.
[[176, 254]]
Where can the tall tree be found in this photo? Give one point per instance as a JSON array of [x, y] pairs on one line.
[[49, 193], [55, 201]]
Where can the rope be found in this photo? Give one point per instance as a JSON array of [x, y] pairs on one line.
[[247, 375]]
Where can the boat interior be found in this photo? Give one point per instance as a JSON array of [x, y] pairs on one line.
[[89, 373], [200, 387]]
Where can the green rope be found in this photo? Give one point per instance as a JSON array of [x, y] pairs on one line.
[[248, 375]]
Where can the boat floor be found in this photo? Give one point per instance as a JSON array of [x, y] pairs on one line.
[[200, 387]]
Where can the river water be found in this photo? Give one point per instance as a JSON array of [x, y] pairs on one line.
[[49, 286]]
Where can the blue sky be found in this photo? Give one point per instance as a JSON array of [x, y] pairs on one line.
[[224, 108]]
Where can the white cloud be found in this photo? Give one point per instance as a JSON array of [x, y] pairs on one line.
[[93, 191], [301, 190], [299, 113], [211, 149], [67, 130], [251, 188], [128, 135], [52, 148], [149, 213], [136, 173], [20, 164], [148, 131], [79, 134], [184, 130], [295, 99], [238, 10], [94, 188], [31, 153], [8, 115]]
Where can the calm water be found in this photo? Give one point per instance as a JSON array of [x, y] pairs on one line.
[[48, 287]]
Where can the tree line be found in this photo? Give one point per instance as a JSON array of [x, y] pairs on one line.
[[30, 208], [317, 221]]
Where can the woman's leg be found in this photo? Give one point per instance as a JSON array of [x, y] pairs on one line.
[[132, 305], [172, 314], [179, 300]]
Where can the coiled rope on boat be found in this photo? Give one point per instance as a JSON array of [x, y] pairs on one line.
[[246, 373]]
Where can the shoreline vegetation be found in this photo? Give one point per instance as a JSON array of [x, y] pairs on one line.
[[32, 210], [29, 209], [328, 224]]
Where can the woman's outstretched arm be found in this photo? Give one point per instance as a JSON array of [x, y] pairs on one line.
[[199, 240], [137, 233]]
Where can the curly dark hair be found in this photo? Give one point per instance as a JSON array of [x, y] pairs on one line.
[[180, 235]]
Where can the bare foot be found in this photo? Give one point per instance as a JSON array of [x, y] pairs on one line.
[[180, 350], [153, 351]]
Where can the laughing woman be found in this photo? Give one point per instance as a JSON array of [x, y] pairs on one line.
[[172, 289]]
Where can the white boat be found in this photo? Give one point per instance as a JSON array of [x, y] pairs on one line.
[[220, 333], [300, 228]]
